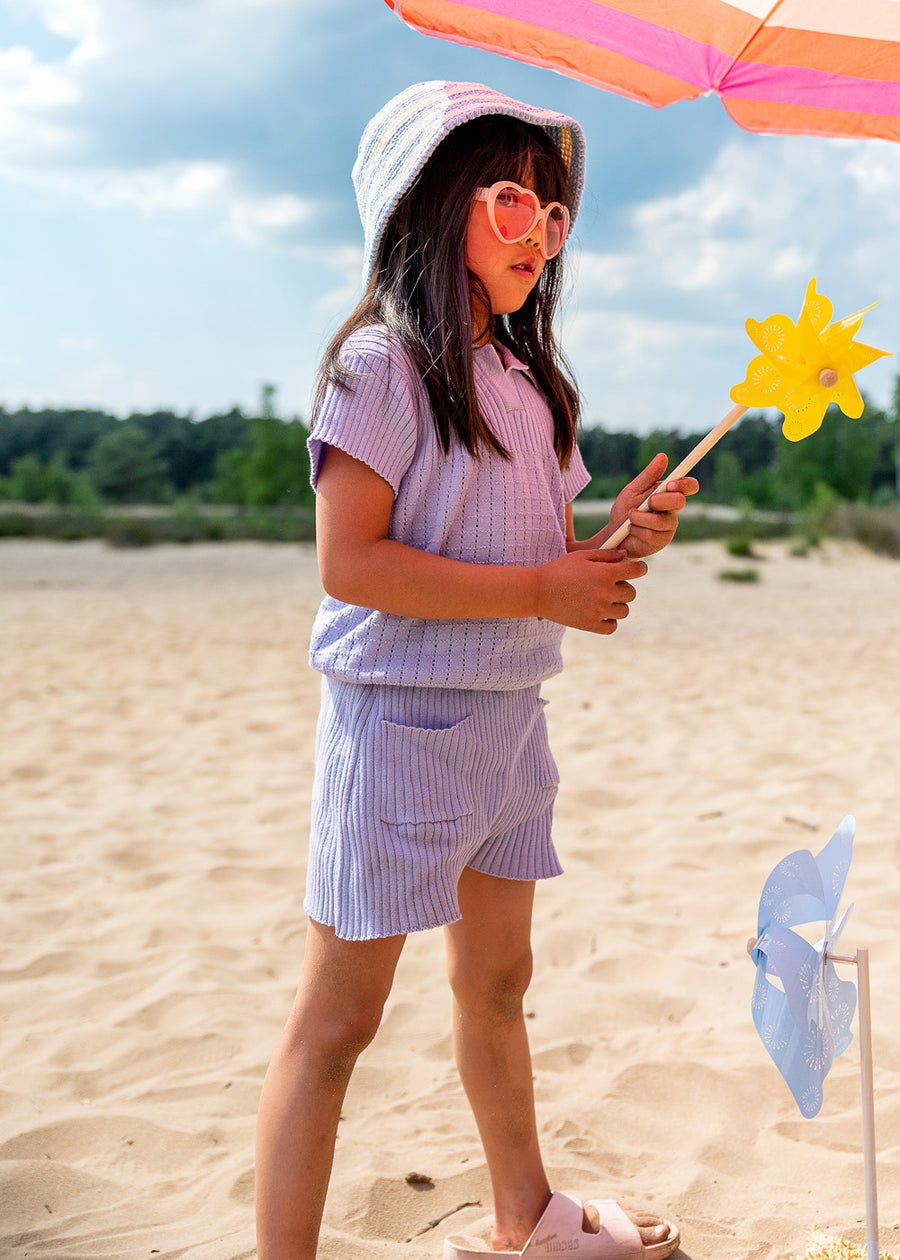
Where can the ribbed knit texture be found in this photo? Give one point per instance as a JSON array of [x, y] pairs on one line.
[[483, 511], [402, 136], [411, 787]]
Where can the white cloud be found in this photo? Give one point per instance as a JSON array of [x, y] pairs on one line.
[[172, 187], [662, 315], [762, 211], [280, 221], [876, 169], [166, 79], [339, 301], [136, 65], [32, 97], [71, 19], [77, 343], [271, 219], [641, 371], [27, 84]]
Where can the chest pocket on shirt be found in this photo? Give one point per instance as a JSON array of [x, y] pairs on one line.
[[425, 775]]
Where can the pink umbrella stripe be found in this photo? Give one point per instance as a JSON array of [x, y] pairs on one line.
[[795, 85]]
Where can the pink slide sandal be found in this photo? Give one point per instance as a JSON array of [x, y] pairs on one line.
[[559, 1233]]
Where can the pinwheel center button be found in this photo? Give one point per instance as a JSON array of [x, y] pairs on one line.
[[828, 378]]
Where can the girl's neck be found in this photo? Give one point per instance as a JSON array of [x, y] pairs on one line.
[[482, 320], [483, 337]]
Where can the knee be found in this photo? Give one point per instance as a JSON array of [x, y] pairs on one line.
[[492, 990], [339, 1029], [352, 1027]]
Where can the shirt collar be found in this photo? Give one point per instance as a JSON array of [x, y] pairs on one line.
[[496, 352]]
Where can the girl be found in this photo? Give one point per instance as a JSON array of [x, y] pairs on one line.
[[444, 459]]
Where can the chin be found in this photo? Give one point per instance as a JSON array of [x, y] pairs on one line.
[[511, 305]]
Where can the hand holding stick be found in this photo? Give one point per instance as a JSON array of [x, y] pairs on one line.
[[682, 470]]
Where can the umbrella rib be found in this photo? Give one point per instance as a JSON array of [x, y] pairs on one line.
[[737, 56]]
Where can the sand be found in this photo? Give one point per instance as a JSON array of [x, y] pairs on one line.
[[156, 760]]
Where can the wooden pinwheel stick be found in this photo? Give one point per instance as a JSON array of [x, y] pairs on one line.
[[682, 470], [861, 961]]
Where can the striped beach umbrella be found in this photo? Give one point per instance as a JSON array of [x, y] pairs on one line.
[[799, 67]]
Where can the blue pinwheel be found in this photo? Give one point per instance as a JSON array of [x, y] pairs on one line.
[[804, 1019]]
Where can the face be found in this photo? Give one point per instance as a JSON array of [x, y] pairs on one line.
[[508, 271]]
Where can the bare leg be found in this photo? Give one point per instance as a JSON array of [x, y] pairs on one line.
[[489, 963], [337, 1010]]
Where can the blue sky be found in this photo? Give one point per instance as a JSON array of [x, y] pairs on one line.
[[177, 223]]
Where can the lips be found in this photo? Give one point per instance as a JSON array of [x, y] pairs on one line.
[[526, 267]]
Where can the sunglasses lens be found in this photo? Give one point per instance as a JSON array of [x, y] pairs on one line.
[[514, 213], [556, 230]]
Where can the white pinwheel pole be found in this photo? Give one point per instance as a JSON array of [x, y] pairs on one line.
[[861, 960]]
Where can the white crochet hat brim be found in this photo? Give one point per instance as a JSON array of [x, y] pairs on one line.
[[402, 136]]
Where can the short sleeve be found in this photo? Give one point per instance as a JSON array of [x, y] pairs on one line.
[[575, 476], [374, 416]]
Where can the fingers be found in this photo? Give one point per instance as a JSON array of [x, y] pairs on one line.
[[659, 520], [674, 495], [654, 517], [588, 590], [609, 624], [661, 514], [654, 470], [628, 569], [610, 600]]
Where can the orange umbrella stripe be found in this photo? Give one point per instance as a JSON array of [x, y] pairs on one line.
[[808, 120], [819, 50]]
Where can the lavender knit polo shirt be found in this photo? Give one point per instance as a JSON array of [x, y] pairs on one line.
[[487, 511]]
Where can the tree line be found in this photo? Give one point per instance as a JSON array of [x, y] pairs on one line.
[[86, 459], [857, 461]]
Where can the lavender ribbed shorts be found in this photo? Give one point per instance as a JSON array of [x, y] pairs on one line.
[[414, 784]]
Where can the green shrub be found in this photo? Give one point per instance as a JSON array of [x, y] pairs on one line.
[[704, 528], [15, 524], [741, 547], [65, 525], [132, 531], [876, 528]]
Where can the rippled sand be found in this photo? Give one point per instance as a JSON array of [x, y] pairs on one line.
[[156, 761]]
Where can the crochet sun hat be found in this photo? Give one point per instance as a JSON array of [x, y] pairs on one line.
[[402, 136]]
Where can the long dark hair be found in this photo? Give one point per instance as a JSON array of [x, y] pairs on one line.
[[421, 288]]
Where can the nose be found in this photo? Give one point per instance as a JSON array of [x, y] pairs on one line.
[[535, 237]]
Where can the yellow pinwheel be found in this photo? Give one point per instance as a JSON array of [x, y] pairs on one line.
[[800, 369], [805, 366]]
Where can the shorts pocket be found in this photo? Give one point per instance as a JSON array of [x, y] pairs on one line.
[[425, 775]]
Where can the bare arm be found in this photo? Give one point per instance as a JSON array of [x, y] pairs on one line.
[[360, 564]]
